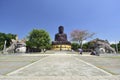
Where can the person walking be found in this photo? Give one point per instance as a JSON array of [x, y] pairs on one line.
[[80, 51]]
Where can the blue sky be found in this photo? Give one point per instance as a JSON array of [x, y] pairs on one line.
[[99, 16]]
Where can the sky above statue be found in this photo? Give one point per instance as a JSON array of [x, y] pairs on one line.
[[99, 16]]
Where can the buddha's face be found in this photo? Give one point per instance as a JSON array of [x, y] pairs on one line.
[[61, 29]]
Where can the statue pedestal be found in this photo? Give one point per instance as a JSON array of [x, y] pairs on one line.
[[61, 47]]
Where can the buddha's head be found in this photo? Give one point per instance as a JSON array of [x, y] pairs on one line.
[[61, 29]]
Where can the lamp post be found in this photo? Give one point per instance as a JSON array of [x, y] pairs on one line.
[[4, 49], [116, 46]]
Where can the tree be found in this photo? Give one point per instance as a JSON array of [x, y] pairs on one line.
[[85, 46], [9, 37], [2, 40], [38, 39], [6, 37], [118, 46], [80, 36], [91, 45], [113, 46], [75, 46]]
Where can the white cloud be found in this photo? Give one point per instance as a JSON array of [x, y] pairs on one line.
[[113, 42], [85, 41]]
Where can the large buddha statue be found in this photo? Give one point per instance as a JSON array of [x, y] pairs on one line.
[[61, 38]]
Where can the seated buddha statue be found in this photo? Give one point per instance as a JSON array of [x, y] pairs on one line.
[[61, 37]]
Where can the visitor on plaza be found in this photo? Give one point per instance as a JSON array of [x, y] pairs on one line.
[[80, 51]]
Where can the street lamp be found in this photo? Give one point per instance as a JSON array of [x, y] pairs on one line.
[[116, 46]]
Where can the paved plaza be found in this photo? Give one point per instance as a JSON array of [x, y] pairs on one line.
[[60, 65]]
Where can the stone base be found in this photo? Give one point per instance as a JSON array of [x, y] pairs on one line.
[[61, 47]]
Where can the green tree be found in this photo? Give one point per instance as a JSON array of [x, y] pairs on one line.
[[9, 37], [91, 45], [38, 39], [6, 37], [116, 46], [85, 46], [2, 39], [119, 46], [75, 46], [113, 46]]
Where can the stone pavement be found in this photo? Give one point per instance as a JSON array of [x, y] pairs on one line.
[[61, 78], [106, 62], [60, 67], [9, 63]]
